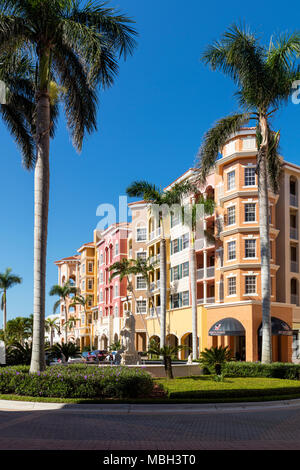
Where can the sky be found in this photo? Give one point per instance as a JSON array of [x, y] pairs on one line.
[[150, 126]]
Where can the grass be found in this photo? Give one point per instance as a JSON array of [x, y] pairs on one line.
[[201, 389], [205, 387]]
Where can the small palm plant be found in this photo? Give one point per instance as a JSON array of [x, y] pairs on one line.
[[65, 350], [167, 353], [215, 358]]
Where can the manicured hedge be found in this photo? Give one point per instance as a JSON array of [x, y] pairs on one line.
[[77, 381], [279, 370]]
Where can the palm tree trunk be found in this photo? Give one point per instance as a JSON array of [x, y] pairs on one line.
[[163, 291], [263, 199], [41, 203], [66, 323], [4, 311], [193, 274]]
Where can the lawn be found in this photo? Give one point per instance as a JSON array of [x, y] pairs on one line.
[[205, 387]]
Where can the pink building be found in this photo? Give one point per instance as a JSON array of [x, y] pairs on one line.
[[111, 248]]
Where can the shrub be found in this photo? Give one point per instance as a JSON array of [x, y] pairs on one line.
[[78, 381], [279, 370], [215, 358]]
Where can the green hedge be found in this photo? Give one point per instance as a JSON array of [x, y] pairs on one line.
[[77, 381], [239, 393], [278, 370]]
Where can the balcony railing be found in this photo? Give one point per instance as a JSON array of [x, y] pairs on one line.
[[210, 272], [209, 300], [294, 233], [293, 200], [155, 259], [155, 311], [294, 299], [155, 285], [155, 234], [294, 266], [200, 244]]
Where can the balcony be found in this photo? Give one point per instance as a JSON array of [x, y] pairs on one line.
[[294, 233], [154, 285], [154, 312], [294, 200], [200, 244], [154, 259], [210, 272], [209, 300], [294, 267], [155, 234], [294, 299]]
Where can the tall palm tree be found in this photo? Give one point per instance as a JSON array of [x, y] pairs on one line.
[[264, 76], [77, 46], [144, 267], [7, 281], [83, 302], [208, 209], [63, 293], [152, 195]]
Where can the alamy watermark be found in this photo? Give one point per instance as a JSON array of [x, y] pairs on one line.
[[191, 216]]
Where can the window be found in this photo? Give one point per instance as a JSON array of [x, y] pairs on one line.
[[141, 306], [231, 250], [141, 234], [101, 295], [175, 246], [101, 258], [250, 248], [90, 284], [180, 300], [82, 319], [116, 290], [185, 241], [141, 283], [83, 268], [231, 215], [250, 212], [90, 302], [175, 219], [116, 311], [101, 277], [83, 285], [250, 176], [90, 267], [232, 286], [230, 180], [185, 269], [142, 255], [116, 249], [250, 285]]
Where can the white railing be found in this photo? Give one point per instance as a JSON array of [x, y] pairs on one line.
[[155, 311], [155, 234], [294, 266], [209, 300], [293, 200], [155, 259], [294, 233], [210, 272], [155, 285]]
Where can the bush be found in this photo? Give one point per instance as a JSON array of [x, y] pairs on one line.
[[278, 370], [78, 381]]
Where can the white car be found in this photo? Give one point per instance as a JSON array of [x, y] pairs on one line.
[[75, 360]]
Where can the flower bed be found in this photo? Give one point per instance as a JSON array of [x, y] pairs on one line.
[[77, 381]]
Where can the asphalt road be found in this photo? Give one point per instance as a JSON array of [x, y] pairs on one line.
[[268, 426]]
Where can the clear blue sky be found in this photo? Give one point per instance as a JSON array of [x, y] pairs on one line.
[[150, 126]]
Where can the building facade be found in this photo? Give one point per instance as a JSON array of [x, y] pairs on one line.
[[228, 274]]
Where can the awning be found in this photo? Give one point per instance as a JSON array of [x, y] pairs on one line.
[[279, 327], [227, 327]]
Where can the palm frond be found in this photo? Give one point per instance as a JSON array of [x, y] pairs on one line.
[[215, 139]]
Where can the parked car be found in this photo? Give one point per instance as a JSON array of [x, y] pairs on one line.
[[99, 355], [75, 360]]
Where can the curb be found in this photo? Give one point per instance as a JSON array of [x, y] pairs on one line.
[[11, 405]]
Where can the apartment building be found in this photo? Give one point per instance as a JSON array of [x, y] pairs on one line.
[[227, 249]]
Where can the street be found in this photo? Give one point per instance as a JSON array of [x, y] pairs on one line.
[[269, 426]]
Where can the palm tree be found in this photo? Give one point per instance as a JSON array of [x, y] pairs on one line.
[[77, 47], [152, 195], [52, 325], [7, 280], [144, 267], [17, 330], [83, 302], [167, 353], [65, 350], [264, 76], [208, 206], [215, 358], [64, 293]]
